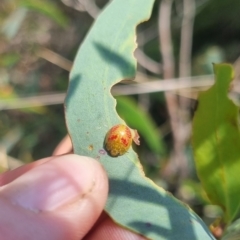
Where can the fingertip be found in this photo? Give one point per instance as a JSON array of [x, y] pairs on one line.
[[107, 227], [70, 189], [10, 176], [57, 182]]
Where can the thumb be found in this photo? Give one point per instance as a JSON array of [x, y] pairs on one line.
[[59, 199]]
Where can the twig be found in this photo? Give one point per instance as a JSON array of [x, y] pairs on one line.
[[128, 89], [147, 35], [36, 101], [167, 56], [185, 68], [66, 64], [165, 38], [146, 62], [91, 7], [74, 4], [55, 58], [186, 38], [177, 163], [83, 5], [163, 86]]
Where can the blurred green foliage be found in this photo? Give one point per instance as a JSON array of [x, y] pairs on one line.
[[216, 143], [47, 8], [137, 118]]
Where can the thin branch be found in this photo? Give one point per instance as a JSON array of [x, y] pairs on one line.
[[164, 24], [186, 38], [76, 4], [177, 163], [171, 85], [128, 89], [84, 5], [147, 35], [91, 7], [55, 58], [180, 86], [146, 62], [164, 21], [36, 101], [185, 68], [66, 64]]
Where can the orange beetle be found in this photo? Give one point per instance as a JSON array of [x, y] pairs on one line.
[[119, 139]]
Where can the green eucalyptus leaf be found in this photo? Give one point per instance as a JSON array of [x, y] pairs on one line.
[[47, 8], [138, 119], [216, 143], [105, 58]]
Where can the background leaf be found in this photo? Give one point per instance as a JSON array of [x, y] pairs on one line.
[[14, 22], [233, 231], [48, 8], [105, 58], [137, 118], [8, 60], [216, 143]]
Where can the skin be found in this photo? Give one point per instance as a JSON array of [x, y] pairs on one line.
[[58, 198]]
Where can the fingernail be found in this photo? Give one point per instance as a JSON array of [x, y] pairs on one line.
[[60, 181]]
